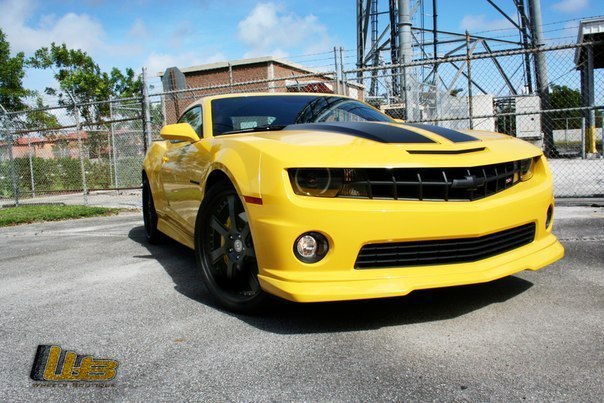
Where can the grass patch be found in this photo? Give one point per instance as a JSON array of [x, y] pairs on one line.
[[29, 214]]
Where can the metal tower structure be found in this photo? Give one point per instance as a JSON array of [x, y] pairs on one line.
[[396, 32]]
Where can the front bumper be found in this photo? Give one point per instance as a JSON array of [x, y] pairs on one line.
[[400, 282], [349, 224]]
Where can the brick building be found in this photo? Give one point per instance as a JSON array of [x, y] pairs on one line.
[[61, 146], [262, 74]]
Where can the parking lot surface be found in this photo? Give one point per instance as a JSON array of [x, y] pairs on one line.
[[95, 287]]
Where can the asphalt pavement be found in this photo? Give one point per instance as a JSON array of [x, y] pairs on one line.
[[95, 287]]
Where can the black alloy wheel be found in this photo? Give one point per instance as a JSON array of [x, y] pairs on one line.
[[225, 251], [152, 234]]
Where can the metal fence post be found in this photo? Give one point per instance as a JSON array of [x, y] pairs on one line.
[[590, 124], [602, 133], [80, 147], [468, 59], [9, 140], [113, 146], [146, 114], [31, 167], [230, 77], [436, 94], [344, 83], [13, 169], [583, 143], [337, 75]]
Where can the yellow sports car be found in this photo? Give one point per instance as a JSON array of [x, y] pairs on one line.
[[315, 197]]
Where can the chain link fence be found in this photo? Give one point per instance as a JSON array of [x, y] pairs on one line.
[[92, 153], [78, 154], [486, 90]]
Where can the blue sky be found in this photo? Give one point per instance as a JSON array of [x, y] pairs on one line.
[[159, 34]]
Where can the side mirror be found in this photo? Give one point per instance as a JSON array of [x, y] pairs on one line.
[[180, 132]]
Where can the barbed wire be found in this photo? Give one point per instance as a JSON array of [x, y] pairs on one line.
[[543, 25]]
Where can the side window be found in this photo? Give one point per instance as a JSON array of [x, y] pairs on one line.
[[193, 117]]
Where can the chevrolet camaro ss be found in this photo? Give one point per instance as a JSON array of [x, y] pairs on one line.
[[316, 197]]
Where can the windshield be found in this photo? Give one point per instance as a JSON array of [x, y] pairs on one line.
[[254, 113]]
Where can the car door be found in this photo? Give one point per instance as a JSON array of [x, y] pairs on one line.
[[183, 167]]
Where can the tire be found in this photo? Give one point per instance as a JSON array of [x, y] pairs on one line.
[[225, 254], [153, 235]]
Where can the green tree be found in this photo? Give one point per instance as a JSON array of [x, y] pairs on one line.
[[562, 97], [40, 119], [12, 73], [13, 95], [79, 75]]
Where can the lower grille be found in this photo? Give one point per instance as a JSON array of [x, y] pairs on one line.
[[447, 251]]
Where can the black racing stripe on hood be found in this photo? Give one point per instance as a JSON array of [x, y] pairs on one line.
[[449, 134], [383, 133]]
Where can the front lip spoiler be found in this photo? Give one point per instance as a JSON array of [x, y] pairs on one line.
[[530, 257]]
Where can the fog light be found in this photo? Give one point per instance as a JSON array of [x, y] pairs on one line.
[[311, 247], [550, 215]]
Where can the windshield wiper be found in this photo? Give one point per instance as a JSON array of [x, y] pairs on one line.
[[263, 128]]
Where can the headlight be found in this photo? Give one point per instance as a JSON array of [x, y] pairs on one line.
[[329, 182], [321, 182], [526, 169]]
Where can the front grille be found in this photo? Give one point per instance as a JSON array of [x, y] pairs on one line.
[[448, 184], [447, 251]]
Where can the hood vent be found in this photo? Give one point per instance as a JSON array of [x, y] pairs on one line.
[[466, 151]]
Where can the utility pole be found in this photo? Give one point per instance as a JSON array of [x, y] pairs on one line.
[[405, 52], [541, 77], [360, 39]]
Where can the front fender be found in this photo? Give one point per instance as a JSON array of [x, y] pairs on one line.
[[242, 166]]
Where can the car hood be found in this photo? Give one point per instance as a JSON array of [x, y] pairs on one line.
[[377, 144]]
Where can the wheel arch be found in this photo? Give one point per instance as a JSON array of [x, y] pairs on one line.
[[217, 176]]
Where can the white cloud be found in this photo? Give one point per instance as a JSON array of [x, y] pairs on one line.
[[27, 30], [78, 31], [181, 34], [159, 62], [270, 30], [138, 29], [570, 6], [477, 23]]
